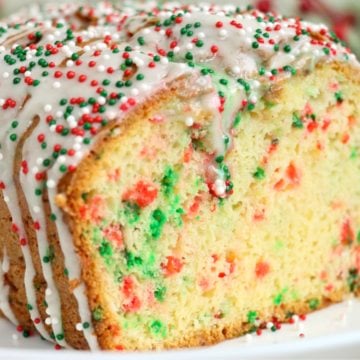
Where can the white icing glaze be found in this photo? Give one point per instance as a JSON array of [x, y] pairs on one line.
[[232, 45]]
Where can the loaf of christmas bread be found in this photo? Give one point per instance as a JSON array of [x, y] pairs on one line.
[[174, 176]]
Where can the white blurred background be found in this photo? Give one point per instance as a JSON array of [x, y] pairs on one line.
[[343, 16]]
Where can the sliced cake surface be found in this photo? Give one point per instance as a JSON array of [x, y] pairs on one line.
[[174, 176]]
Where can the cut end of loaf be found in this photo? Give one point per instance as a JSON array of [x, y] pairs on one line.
[[168, 263]]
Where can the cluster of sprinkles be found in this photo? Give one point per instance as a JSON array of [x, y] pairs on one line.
[[70, 70]]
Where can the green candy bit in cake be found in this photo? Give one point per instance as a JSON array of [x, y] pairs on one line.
[[106, 251], [132, 212], [169, 180], [159, 293], [353, 153], [358, 237], [339, 97], [278, 299], [132, 260], [313, 303], [158, 219], [157, 328], [251, 317], [297, 123], [98, 313], [353, 280], [259, 174]]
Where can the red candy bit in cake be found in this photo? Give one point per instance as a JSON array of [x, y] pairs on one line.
[[128, 286], [293, 174], [347, 233], [172, 266], [94, 210], [132, 306], [115, 175], [142, 194], [262, 268], [114, 235]]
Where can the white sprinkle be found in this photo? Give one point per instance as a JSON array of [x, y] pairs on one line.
[[164, 60], [48, 321], [106, 56], [79, 327], [69, 63], [135, 92], [2, 102], [189, 46], [236, 70], [223, 33], [50, 184], [220, 187], [54, 321], [269, 325], [56, 85], [6, 199], [59, 114], [48, 292], [201, 35], [5, 75], [101, 100], [15, 337], [61, 159], [189, 121], [39, 161], [295, 318], [47, 108], [36, 209], [101, 68]]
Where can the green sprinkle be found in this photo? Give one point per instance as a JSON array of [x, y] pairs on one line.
[[287, 48], [13, 137], [141, 40], [189, 56], [223, 82], [199, 43], [259, 174], [255, 45]]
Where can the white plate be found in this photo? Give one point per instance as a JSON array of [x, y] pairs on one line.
[[330, 333]]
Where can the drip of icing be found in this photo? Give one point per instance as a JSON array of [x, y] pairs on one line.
[[4, 290], [99, 85]]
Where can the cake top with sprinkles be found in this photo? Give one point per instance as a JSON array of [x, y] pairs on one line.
[[72, 69]]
